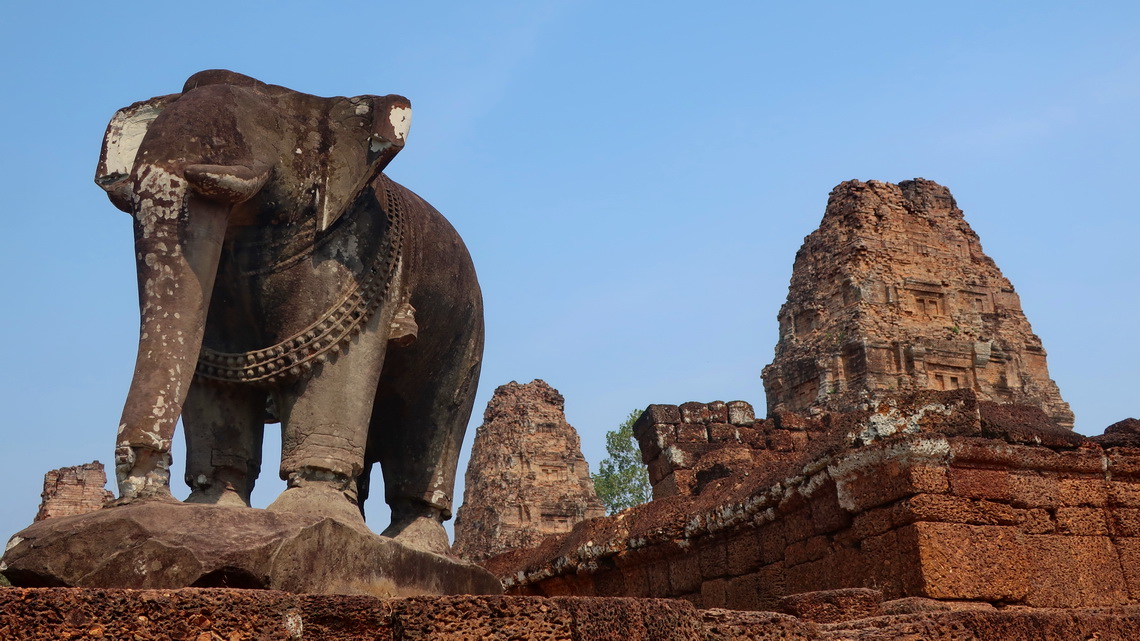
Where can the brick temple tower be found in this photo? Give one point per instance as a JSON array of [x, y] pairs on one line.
[[894, 293]]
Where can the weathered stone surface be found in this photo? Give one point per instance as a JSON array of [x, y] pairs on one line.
[[916, 604], [894, 292], [73, 490], [830, 606], [48, 614], [241, 615], [1124, 433], [527, 477], [1024, 424], [160, 544], [1013, 624]]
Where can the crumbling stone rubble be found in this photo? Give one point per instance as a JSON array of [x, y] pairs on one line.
[[894, 293], [527, 477], [74, 490]]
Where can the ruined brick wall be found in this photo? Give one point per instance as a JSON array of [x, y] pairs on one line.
[[526, 478], [893, 293], [73, 490], [934, 495], [688, 446], [673, 439]]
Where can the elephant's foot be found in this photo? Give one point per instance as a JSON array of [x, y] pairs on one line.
[[419, 527], [320, 493], [226, 496], [316, 501], [223, 487], [142, 474]]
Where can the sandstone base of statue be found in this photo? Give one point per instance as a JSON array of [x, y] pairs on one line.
[[157, 544]]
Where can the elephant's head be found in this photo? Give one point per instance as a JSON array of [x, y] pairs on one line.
[[227, 151]]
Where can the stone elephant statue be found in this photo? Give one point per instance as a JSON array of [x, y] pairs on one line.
[[283, 277]]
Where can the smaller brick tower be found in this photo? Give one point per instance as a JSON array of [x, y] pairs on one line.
[[527, 477]]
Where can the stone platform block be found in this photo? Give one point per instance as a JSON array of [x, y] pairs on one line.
[[264, 615], [28, 614]]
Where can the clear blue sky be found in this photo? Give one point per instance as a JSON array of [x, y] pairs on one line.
[[633, 180]]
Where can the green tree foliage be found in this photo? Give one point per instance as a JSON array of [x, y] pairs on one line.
[[622, 480]]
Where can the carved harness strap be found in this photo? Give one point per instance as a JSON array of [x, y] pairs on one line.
[[295, 356]]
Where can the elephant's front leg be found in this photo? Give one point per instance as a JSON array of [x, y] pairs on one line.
[[324, 421], [224, 425]]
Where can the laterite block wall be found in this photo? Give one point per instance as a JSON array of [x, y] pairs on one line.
[[915, 512]]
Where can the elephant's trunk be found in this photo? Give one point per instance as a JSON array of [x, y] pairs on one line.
[[178, 240]]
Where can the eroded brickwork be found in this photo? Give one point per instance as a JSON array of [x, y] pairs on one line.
[[894, 293], [73, 490], [527, 477], [689, 446], [932, 495]]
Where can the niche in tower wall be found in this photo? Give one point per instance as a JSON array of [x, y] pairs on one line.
[[882, 359], [557, 518], [874, 292], [848, 294], [924, 299], [806, 321], [805, 393], [928, 304], [942, 378], [977, 301], [854, 362], [1006, 298]]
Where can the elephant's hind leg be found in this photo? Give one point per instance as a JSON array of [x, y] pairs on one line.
[[224, 425], [417, 434]]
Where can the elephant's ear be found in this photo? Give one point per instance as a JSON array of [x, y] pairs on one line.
[[121, 143], [369, 132]]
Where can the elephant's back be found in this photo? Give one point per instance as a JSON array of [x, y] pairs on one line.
[[440, 284], [436, 258]]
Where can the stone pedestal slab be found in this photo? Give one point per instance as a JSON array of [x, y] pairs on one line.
[[169, 545]]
